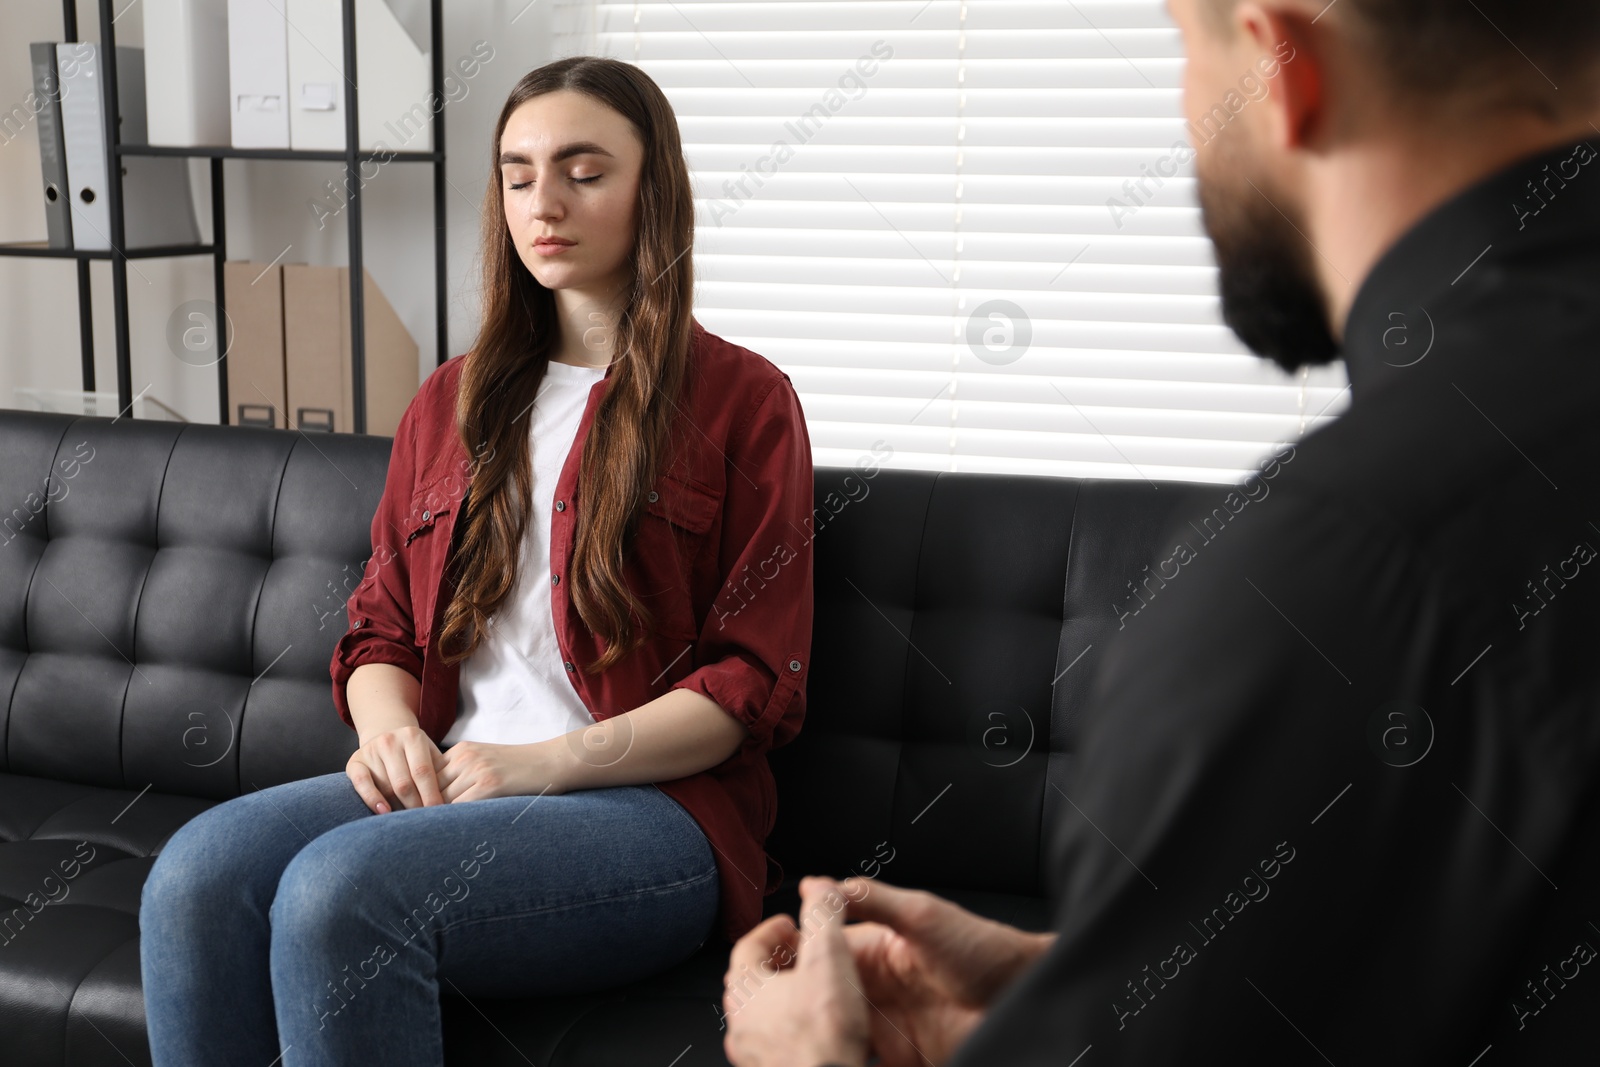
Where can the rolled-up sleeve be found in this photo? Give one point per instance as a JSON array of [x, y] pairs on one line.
[[754, 645], [378, 612]]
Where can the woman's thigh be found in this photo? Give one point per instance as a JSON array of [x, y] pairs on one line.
[[511, 896]]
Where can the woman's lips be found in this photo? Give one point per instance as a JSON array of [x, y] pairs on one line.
[[550, 248]]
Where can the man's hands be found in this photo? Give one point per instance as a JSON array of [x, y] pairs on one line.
[[398, 768], [921, 971], [929, 968], [792, 997]]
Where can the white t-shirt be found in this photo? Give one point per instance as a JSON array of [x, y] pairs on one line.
[[514, 689]]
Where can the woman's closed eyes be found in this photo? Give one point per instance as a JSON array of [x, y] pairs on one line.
[[580, 181]]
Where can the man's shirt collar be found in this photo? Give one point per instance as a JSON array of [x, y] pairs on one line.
[[1548, 199]]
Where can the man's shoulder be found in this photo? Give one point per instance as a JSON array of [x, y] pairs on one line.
[[1236, 563]]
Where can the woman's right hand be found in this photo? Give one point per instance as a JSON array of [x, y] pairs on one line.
[[397, 768]]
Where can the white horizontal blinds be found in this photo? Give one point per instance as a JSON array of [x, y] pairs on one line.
[[868, 176]]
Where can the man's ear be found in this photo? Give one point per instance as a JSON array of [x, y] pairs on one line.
[[1290, 59]]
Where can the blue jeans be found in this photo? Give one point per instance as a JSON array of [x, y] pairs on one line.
[[294, 919]]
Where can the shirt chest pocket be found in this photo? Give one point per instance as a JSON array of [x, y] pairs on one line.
[[426, 546], [683, 504], [676, 568]]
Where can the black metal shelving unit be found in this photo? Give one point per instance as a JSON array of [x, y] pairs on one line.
[[217, 249]]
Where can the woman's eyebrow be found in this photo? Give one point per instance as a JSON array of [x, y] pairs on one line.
[[576, 148]]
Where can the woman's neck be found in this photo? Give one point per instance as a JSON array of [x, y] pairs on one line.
[[588, 320]]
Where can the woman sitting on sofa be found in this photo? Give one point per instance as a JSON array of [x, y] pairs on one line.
[[585, 622]]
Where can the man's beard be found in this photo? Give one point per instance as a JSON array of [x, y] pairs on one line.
[[1270, 294]]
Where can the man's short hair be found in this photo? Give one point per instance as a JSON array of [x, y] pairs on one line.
[[1529, 48]]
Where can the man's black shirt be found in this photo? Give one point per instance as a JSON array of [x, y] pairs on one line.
[[1342, 772]]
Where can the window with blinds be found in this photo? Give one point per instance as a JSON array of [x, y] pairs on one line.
[[949, 223]]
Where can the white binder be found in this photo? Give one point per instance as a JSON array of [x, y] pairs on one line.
[[81, 133], [157, 208], [394, 72], [258, 73], [316, 74], [186, 72]]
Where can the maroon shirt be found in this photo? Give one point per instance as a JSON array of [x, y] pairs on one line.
[[722, 557]]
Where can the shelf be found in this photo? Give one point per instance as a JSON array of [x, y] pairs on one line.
[[229, 152], [42, 250], [218, 248]]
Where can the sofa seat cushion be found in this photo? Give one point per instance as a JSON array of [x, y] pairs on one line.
[[73, 860]]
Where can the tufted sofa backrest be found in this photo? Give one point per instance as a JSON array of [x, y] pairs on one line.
[[170, 596], [959, 620]]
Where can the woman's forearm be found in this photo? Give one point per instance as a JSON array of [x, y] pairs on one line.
[[382, 697], [675, 735]]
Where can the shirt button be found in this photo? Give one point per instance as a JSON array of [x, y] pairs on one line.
[[568, 665], [426, 515], [561, 505], [654, 496], [357, 625], [555, 579], [794, 665]]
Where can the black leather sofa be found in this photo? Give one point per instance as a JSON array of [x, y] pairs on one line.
[[169, 600]]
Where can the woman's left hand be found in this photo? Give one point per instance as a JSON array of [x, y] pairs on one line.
[[477, 770]]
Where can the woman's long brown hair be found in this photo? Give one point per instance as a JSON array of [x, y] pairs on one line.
[[622, 453]]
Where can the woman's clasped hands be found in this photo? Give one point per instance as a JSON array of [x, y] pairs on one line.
[[403, 768]]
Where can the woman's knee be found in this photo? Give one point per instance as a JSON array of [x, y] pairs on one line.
[[312, 895], [338, 881], [195, 867]]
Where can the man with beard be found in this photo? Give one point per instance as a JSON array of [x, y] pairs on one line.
[[1338, 796]]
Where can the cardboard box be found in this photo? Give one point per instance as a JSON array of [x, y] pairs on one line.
[[257, 388], [316, 334]]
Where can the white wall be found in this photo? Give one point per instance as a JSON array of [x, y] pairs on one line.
[[267, 209]]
